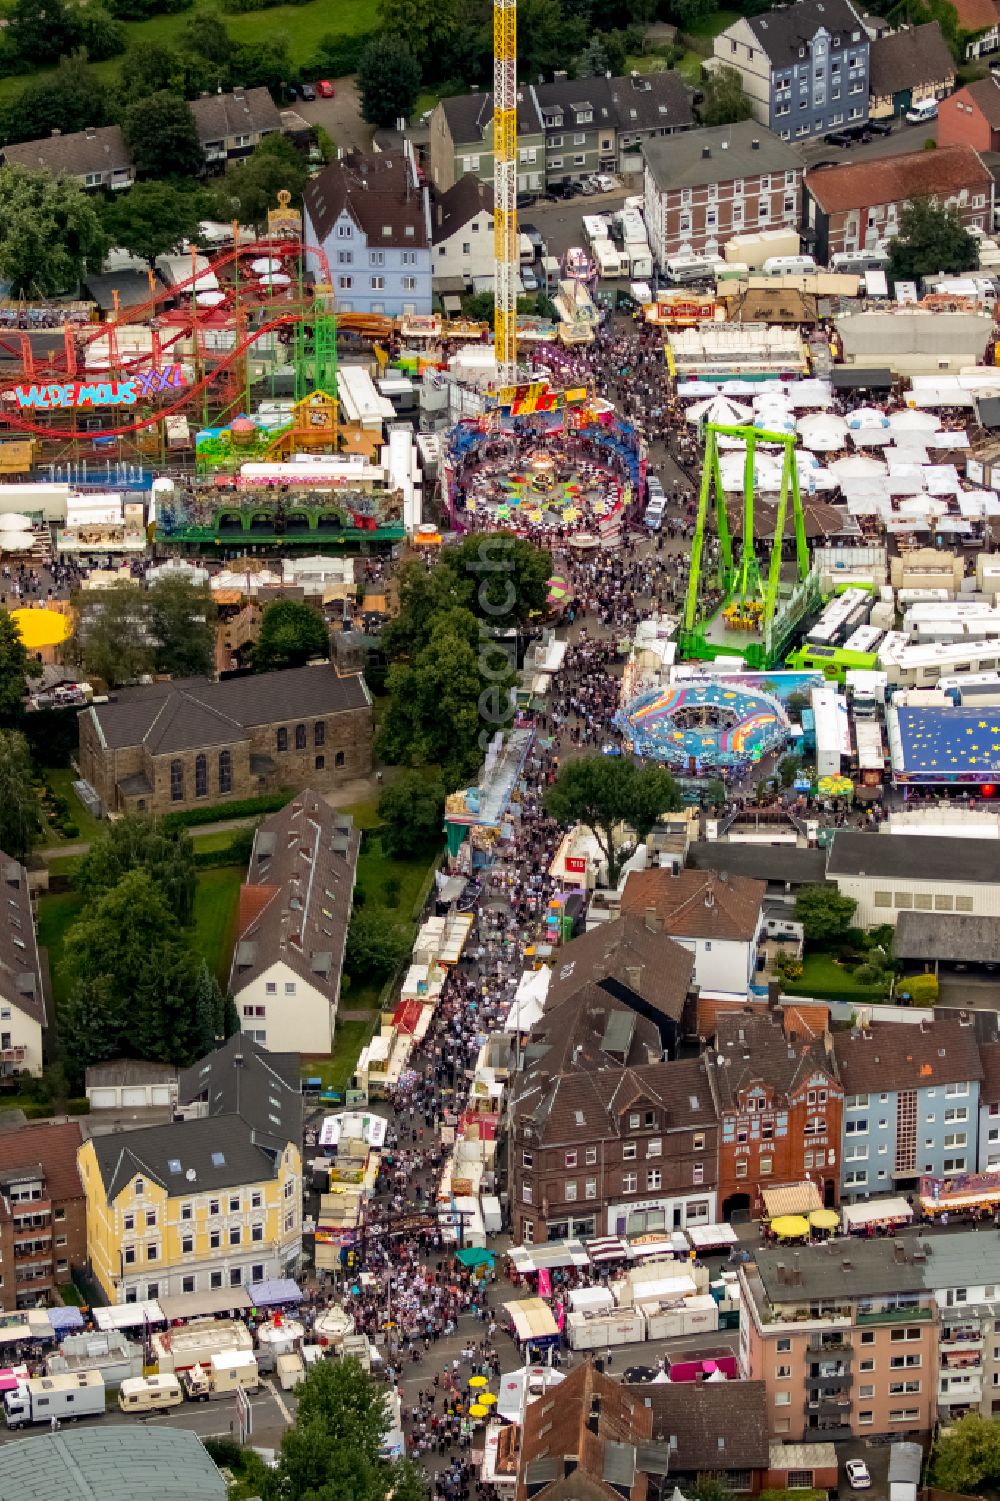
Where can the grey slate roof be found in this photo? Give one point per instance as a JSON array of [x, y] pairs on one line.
[[243, 1079], [652, 101], [195, 1156], [782, 32], [680, 161], [242, 112], [20, 970], [177, 715], [710, 1426], [115, 1461], [932, 858], [916, 55], [468, 115], [296, 904], [948, 936], [457, 207], [761, 862], [78, 153], [857, 1269]]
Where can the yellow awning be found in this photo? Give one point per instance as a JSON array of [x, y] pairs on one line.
[[790, 1226], [824, 1219]]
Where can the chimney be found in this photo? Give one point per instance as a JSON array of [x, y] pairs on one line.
[[237, 93], [91, 132], [709, 897], [706, 153], [654, 923], [755, 145]]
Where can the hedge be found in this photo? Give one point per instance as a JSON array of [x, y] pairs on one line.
[[246, 807]]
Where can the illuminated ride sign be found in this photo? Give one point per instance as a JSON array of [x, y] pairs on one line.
[[108, 393]]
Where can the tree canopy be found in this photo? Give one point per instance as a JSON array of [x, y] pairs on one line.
[[112, 640], [825, 915], [412, 810], [136, 843], [725, 99], [291, 633], [931, 238], [388, 80], [161, 134], [248, 190], [49, 232], [376, 943], [14, 665], [609, 793], [967, 1458], [20, 819], [151, 219], [180, 617]]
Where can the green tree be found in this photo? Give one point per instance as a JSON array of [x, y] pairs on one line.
[[375, 944], [49, 232], [967, 1458], [290, 634], [264, 65], [70, 99], [20, 820], [931, 238], [545, 38], [207, 36], [725, 99], [825, 915], [137, 843], [43, 30], [424, 24], [150, 68], [687, 13], [247, 191], [151, 219], [609, 794], [181, 618], [412, 812], [13, 670], [388, 79], [788, 769], [162, 136], [499, 576], [101, 36], [593, 60], [133, 982], [112, 638]]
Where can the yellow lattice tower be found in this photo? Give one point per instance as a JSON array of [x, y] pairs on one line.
[[505, 188]]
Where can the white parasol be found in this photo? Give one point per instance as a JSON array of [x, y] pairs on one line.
[[910, 420], [865, 417], [823, 432], [858, 466], [15, 522], [210, 299], [264, 264], [16, 542], [719, 409]]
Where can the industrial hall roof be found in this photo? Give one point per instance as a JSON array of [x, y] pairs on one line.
[[951, 937]]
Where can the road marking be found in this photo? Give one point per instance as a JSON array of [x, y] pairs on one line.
[[282, 1407]]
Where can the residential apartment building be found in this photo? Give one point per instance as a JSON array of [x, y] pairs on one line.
[[174, 745], [971, 116], [962, 1271], [567, 129], [43, 1220], [462, 219], [23, 1015], [778, 1102], [190, 1207], [908, 66], [989, 1108], [716, 917], [845, 1337], [97, 157], [856, 205], [606, 1139], [979, 20], [292, 926], [705, 186], [804, 67], [230, 126], [371, 217], [891, 873], [911, 1103]]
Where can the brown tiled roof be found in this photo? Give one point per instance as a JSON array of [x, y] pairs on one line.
[[989, 1089], [306, 855], [752, 1049], [806, 1019], [253, 900], [890, 1056], [378, 192], [976, 15], [896, 179], [592, 1029], [242, 112], [916, 55], [628, 951], [558, 1427], [716, 1425], [696, 903], [78, 153], [984, 94], [55, 1146]]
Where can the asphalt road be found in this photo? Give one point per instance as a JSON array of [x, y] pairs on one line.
[[904, 138], [560, 224]]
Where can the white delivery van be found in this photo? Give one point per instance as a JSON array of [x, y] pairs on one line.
[[149, 1393], [920, 113], [526, 251], [684, 270], [788, 265]]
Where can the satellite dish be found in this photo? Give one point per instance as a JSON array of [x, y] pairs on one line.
[[190, 1175]]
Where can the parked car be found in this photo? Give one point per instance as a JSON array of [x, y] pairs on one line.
[[604, 182], [837, 138], [857, 1475], [587, 188], [531, 233], [526, 200], [655, 488], [529, 280], [880, 127], [325, 89], [308, 92]]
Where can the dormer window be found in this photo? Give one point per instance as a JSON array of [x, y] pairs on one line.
[[802, 52]]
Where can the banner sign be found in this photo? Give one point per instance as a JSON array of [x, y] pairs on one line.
[[108, 393]]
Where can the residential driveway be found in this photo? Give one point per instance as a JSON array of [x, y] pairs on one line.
[[340, 116]]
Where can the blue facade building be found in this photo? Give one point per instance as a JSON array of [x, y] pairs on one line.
[[371, 217], [911, 1104]]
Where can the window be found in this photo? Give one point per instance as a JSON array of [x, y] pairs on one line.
[[177, 781], [153, 1251], [378, 283], [527, 1159], [225, 771], [654, 1178], [570, 1193], [300, 737], [282, 739], [571, 1159], [741, 1167], [956, 1091], [345, 283], [338, 759], [868, 1364], [590, 1157], [766, 1167], [866, 1417], [150, 1219], [128, 1255], [377, 258], [783, 1372], [189, 1284], [698, 1141], [344, 257], [187, 1245], [782, 1399], [271, 987], [213, 1206], [526, 1192], [654, 1146], [698, 1173], [628, 1151], [590, 1188], [319, 763], [257, 1233], [866, 1391], [319, 733], [630, 1183], [187, 1211], [128, 1222]]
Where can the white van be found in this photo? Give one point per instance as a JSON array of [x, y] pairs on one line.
[[788, 265], [920, 113], [683, 270], [149, 1393]]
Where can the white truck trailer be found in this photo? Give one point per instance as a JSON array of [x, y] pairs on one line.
[[43, 1398]]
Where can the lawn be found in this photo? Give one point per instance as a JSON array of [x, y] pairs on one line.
[[61, 779], [215, 916], [349, 1038], [824, 978], [303, 25], [206, 844], [55, 914], [712, 24]]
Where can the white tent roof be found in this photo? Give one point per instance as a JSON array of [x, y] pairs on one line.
[[719, 409], [856, 467], [912, 421], [863, 417]]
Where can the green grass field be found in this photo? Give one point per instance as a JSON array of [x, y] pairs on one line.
[[215, 916], [824, 978], [61, 779], [55, 914], [335, 1071], [302, 24]]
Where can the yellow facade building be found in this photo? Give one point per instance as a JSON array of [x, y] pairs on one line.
[[192, 1207]]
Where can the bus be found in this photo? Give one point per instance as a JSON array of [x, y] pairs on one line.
[[834, 662]]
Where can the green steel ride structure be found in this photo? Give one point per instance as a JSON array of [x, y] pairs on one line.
[[742, 581]]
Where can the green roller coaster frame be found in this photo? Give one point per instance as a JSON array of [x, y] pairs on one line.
[[742, 581]]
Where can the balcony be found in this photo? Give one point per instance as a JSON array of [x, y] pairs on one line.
[[828, 1428], [961, 1340], [13, 1055], [895, 1316], [834, 1381], [831, 1344]]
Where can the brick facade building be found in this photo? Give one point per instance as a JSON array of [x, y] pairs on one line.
[[971, 117], [172, 746], [43, 1214], [779, 1106], [705, 186], [855, 205]]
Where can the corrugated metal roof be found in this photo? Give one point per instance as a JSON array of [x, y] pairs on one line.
[[114, 1462]]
